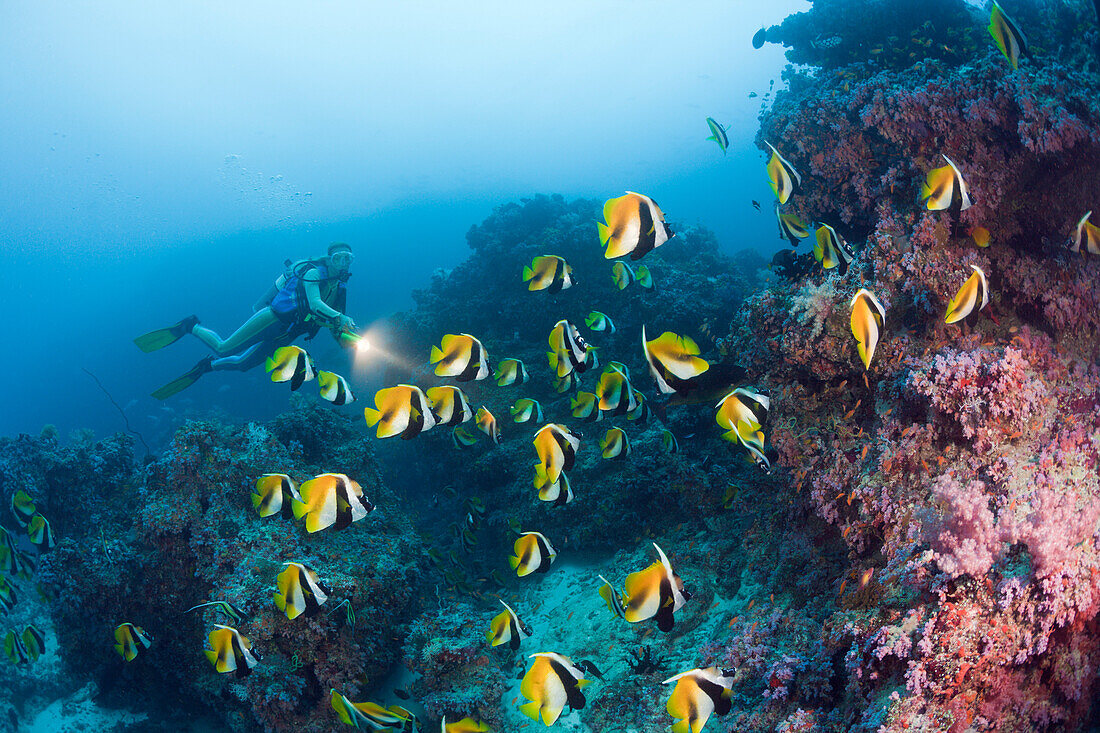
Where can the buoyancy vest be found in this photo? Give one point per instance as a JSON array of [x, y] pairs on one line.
[[291, 304]]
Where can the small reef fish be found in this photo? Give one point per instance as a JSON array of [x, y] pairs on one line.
[[525, 409], [568, 351], [372, 716], [237, 615], [868, 320], [556, 447], [299, 591], [487, 424], [1086, 233], [655, 592], [698, 694], [562, 384], [449, 405], [402, 410], [784, 179], [510, 371], [231, 652], [981, 236], [506, 628], [290, 364], [622, 275], [23, 509], [548, 272], [1007, 35], [462, 438], [718, 134], [615, 445], [641, 412], [560, 492], [8, 596], [944, 189], [334, 388], [466, 725], [791, 227], [971, 298], [742, 405], [130, 639], [34, 642], [635, 226], [669, 442], [831, 250], [614, 391], [752, 440], [460, 356], [585, 406], [673, 360], [40, 534], [551, 684], [598, 321], [644, 277], [331, 500], [533, 553], [275, 493]]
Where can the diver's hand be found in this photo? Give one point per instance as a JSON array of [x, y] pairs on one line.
[[345, 323]]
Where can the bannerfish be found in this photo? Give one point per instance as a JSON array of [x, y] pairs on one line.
[[372, 716], [673, 360], [783, 177], [568, 351], [22, 506], [635, 226], [559, 492], [612, 598], [460, 356], [466, 725], [525, 409], [971, 298], [556, 447], [831, 250], [275, 494], [34, 642], [449, 405], [231, 652], [791, 227], [669, 442], [40, 533], [532, 553], [510, 371], [130, 639], [8, 596], [615, 445], [742, 405], [551, 684], [331, 500], [614, 392], [585, 406], [334, 388], [641, 412], [14, 649], [290, 364], [462, 437], [598, 321], [487, 424], [1086, 233], [1007, 35], [562, 385], [644, 277], [751, 439], [402, 410], [718, 134], [698, 694], [237, 614], [506, 628], [944, 189], [655, 592], [548, 272], [868, 320], [622, 275], [299, 591]]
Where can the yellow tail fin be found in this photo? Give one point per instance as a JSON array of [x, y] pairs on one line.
[[372, 416], [605, 232], [436, 355]]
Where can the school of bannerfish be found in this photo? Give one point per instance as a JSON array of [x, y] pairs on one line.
[[633, 226]]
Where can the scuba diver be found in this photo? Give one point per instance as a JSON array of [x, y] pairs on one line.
[[309, 294]]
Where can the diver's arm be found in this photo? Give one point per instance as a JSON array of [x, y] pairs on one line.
[[317, 306]]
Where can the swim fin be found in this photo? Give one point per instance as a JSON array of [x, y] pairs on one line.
[[205, 366], [164, 336]]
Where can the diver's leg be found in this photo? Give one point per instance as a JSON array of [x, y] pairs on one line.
[[259, 321], [241, 362]]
